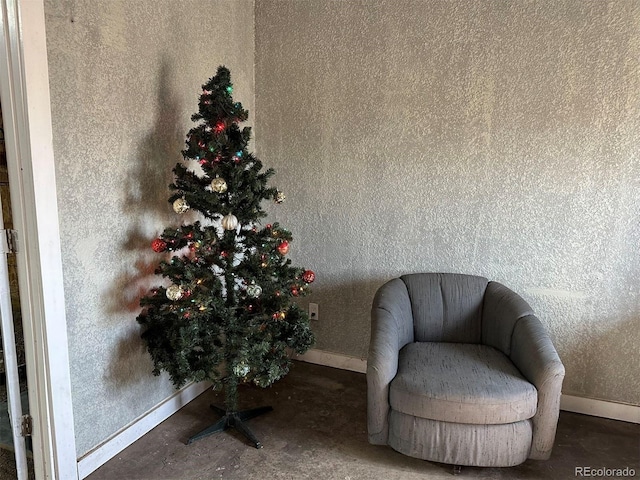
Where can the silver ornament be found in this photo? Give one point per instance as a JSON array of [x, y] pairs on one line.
[[241, 369], [180, 205], [229, 222], [219, 185], [174, 292], [254, 291]]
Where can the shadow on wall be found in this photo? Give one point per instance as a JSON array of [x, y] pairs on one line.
[[148, 212]]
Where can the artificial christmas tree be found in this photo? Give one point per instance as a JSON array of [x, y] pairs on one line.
[[226, 312]]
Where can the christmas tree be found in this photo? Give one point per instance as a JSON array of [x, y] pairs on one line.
[[226, 312]]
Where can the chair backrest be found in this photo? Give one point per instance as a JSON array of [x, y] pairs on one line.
[[447, 307]]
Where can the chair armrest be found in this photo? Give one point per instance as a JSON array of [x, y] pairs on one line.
[[533, 353], [501, 311], [391, 329]]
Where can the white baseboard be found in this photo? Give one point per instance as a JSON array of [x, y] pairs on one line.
[[569, 403], [335, 360], [601, 408], [137, 428]]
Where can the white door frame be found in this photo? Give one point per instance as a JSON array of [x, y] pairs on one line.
[[26, 107]]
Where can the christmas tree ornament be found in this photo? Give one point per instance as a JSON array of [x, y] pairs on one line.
[[254, 290], [180, 205], [158, 245], [295, 291], [219, 185], [229, 222], [280, 197], [174, 292], [308, 276], [283, 247], [241, 369]]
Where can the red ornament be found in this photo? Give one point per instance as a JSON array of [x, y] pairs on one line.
[[159, 245], [219, 127], [294, 291], [283, 247], [308, 276]]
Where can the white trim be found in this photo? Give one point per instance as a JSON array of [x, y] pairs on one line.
[[138, 427], [601, 408], [569, 403], [25, 94], [335, 360]]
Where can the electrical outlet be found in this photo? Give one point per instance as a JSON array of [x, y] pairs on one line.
[[313, 311]]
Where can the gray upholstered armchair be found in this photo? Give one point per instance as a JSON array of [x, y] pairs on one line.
[[460, 371]]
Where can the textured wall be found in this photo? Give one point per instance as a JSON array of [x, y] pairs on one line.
[[493, 138], [125, 77]]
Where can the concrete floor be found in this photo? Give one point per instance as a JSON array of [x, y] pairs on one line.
[[317, 430]]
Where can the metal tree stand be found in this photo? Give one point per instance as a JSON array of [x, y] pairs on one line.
[[231, 417], [235, 420]]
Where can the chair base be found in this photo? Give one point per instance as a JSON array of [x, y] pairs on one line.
[[232, 420], [460, 444]]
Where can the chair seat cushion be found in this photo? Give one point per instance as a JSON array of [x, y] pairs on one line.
[[461, 383]]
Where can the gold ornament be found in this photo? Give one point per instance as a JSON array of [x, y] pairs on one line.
[[229, 222], [180, 205], [219, 185], [280, 197], [175, 292]]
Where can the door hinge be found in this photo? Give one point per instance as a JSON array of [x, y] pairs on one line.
[[26, 427], [9, 241]]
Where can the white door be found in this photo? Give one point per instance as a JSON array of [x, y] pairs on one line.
[[24, 94], [15, 423]]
